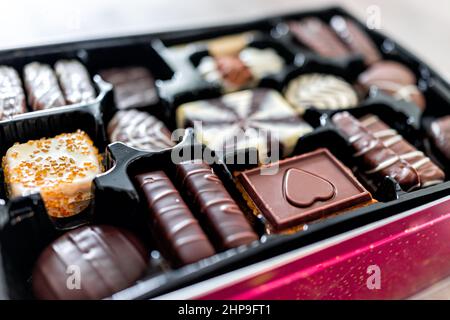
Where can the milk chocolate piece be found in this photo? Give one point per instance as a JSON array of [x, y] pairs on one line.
[[182, 236], [212, 201], [134, 86], [75, 81], [139, 130], [440, 134], [386, 153], [319, 37], [106, 260], [12, 97], [304, 188], [42, 87], [320, 91], [244, 119], [356, 39], [233, 70], [394, 79]]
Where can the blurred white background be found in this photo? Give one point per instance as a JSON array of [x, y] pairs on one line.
[[422, 26]]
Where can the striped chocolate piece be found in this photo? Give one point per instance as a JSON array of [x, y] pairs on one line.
[[139, 130], [181, 235], [42, 87], [356, 39], [319, 37], [105, 258], [386, 153], [75, 81], [220, 212], [12, 97], [320, 91]]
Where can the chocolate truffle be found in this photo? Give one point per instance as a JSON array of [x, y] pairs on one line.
[[139, 130], [440, 135], [386, 153], [179, 232], [394, 79], [245, 119], [42, 87], [356, 39], [319, 37], [12, 97], [212, 201], [91, 262], [134, 87], [304, 188], [75, 81], [242, 70], [320, 91], [61, 169]]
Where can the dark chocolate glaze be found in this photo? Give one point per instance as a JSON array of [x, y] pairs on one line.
[[183, 237], [356, 39], [42, 87], [108, 260], [385, 153], [75, 81], [440, 134], [12, 97], [219, 211], [319, 37]]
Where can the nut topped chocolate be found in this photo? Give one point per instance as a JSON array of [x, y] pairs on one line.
[[12, 97], [386, 153], [320, 91], [139, 130], [304, 188], [245, 119], [241, 70]]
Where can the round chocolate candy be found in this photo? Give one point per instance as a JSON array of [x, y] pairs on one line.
[[92, 262], [320, 91], [394, 79]]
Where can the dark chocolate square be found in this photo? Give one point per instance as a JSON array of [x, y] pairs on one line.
[[304, 188]]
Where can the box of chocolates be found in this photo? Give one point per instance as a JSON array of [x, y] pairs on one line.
[[139, 165]]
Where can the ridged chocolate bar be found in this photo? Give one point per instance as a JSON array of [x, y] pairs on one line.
[[42, 87], [221, 213], [75, 81], [386, 153], [181, 234], [12, 97]]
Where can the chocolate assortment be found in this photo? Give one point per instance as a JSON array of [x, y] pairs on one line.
[[341, 119]]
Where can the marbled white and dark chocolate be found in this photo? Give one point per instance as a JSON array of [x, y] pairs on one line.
[[42, 87], [12, 97], [356, 39], [305, 188], [181, 235], [320, 91], [75, 81], [386, 153], [395, 79], [440, 135], [139, 130], [245, 119], [134, 86], [105, 258], [214, 204], [319, 37]]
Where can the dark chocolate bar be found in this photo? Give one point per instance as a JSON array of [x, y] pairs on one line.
[[180, 232], [12, 97], [220, 212], [42, 87], [75, 81], [386, 153], [440, 135]]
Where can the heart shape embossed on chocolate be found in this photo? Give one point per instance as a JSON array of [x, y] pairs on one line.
[[302, 188]]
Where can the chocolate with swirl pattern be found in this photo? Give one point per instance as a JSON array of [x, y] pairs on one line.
[[220, 212], [42, 87], [386, 153], [181, 235], [12, 97]]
